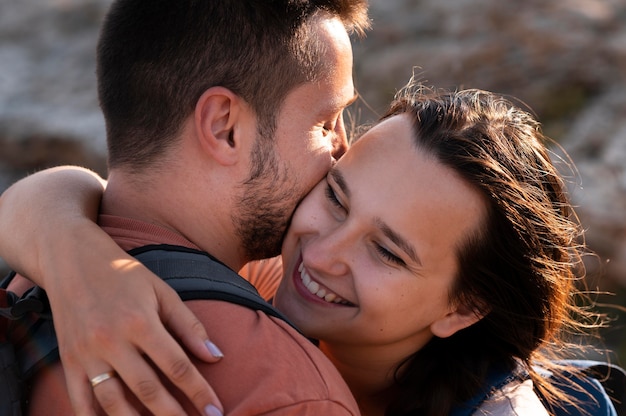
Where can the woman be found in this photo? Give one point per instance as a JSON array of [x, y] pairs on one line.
[[439, 249]]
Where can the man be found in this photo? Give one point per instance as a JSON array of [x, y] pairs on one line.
[[220, 117]]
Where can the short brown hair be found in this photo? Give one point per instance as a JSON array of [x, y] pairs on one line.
[[157, 57]]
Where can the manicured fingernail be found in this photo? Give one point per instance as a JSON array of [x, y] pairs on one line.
[[211, 410], [213, 349]]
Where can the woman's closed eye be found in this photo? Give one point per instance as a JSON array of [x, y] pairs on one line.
[[382, 251], [332, 197], [388, 255]]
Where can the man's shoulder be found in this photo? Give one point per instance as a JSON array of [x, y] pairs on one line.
[[271, 363], [268, 366]]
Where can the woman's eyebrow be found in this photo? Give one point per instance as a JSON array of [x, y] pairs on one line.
[[392, 235], [398, 240]]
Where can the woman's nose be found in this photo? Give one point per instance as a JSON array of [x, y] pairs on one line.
[[330, 252]]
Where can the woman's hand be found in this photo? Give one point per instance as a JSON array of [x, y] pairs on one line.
[[111, 314], [120, 322]]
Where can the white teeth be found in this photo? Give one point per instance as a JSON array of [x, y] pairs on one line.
[[315, 288], [330, 297]]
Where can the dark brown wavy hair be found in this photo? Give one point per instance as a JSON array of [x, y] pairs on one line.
[[523, 268]]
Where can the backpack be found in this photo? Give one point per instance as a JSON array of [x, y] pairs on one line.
[[32, 343], [603, 381]]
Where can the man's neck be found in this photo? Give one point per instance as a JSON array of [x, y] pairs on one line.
[[171, 207]]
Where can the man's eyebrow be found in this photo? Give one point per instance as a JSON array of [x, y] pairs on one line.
[[340, 105], [398, 240], [353, 99]]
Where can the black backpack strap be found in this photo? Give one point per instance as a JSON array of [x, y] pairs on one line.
[[10, 383], [27, 343], [197, 275], [14, 307], [31, 328], [7, 279]]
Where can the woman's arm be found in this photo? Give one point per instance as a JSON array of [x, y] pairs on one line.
[[50, 218], [26, 217]]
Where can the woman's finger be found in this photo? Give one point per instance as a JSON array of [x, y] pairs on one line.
[[182, 322], [79, 391], [108, 389], [174, 364]]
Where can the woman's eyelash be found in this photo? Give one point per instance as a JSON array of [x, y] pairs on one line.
[[330, 194], [389, 255], [386, 254]]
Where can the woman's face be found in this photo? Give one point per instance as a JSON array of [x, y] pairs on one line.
[[370, 256]]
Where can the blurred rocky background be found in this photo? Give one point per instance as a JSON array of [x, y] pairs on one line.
[[565, 59]]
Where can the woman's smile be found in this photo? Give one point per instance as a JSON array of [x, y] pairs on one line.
[[307, 286]]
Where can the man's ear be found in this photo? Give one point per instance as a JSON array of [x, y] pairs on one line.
[[460, 318], [217, 115]]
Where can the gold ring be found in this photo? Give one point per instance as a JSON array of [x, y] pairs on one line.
[[102, 377]]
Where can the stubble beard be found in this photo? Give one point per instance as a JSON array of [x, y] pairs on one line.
[[269, 198]]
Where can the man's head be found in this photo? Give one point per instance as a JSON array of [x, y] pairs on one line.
[[290, 162], [288, 63], [157, 57]]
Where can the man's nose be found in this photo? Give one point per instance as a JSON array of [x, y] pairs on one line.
[[340, 139]]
